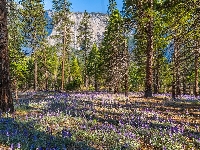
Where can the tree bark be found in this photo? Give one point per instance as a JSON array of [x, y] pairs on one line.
[[178, 89], [16, 89], [173, 90], [46, 71], [63, 59], [95, 80], [149, 54], [69, 71], [155, 85], [85, 69], [6, 101], [175, 71], [46, 80], [184, 85], [177, 66], [196, 83], [35, 74], [126, 86]]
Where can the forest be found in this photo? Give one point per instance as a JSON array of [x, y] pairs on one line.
[[137, 88]]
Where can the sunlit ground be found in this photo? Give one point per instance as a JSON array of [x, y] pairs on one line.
[[61, 121]]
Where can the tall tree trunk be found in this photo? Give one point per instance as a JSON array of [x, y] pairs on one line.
[[16, 89], [95, 80], [63, 59], [196, 83], [177, 65], [173, 89], [184, 85], [45, 69], [55, 79], [35, 64], [35, 74], [126, 85], [156, 88], [69, 74], [85, 63], [149, 53], [178, 89], [190, 89], [6, 101], [173, 83], [155, 85], [46, 80], [85, 72], [174, 76], [156, 70]]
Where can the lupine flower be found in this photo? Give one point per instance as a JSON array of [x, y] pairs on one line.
[[12, 146], [66, 133], [7, 134], [18, 145]]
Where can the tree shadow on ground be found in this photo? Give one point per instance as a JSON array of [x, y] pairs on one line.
[[87, 109], [76, 108], [24, 135]]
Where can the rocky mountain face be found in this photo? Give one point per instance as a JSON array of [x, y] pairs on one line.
[[98, 23]]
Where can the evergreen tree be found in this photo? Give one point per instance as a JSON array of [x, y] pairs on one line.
[[180, 25], [15, 42], [84, 39], [75, 74], [52, 64], [93, 65], [33, 17], [112, 51], [6, 101], [142, 14], [170, 24], [48, 63], [62, 23], [149, 51]]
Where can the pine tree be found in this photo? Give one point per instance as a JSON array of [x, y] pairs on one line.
[[113, 50], [52, 63], [181, 26], [33, 17], [76, 74], [6, 101], [196, 66], [43, 57], [93, 65], [15, 42], [142, 15], [126, 55], [84, 39], [149, 52], [62, 23]]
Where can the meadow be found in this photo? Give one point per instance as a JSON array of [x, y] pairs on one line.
[[101, 121]]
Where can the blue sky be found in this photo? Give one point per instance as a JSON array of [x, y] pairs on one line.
[[89, 5]]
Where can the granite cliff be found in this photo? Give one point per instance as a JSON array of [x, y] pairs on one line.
[[98, 23]]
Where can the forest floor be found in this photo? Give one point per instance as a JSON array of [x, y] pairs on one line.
[[102, 121]]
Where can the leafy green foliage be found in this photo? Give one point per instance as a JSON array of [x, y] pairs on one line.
[[175, 24], [113, 51], [93, 65], [18, 61], [76, 75], [62, 24], [84, 40], [34, 22]]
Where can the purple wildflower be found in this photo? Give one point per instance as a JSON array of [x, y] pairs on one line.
[[12, 146], [66, 133], [18, 145]]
